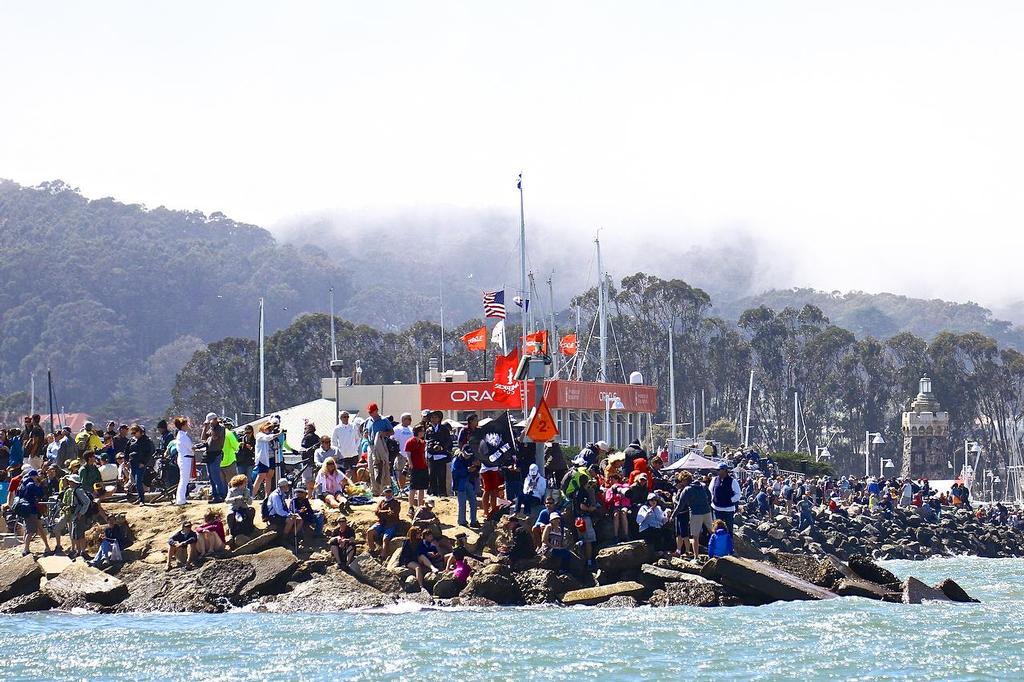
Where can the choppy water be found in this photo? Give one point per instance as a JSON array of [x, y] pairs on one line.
[[836, 639]]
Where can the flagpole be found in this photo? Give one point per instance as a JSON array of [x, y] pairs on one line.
[[553, 332], [334, 345], [440, 288], [522, 279], [262, 395]]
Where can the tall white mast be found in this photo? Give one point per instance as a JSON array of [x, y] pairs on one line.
[[522, 282], [796, 421], [334, 345], [263, 409], [440, 288], [602, 314], [750, 401], [553, 348], [672, 379]]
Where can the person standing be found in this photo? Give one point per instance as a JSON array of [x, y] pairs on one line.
[[213, 434], [725, 494], [439, 450], [140, 456], [697, 498], [345, 440], [34, 442], [380, 429], [464, 478], [264, 441], [31, 494], [183, 444], [228, 463], [403, 432], [65, 448], [416, 451]]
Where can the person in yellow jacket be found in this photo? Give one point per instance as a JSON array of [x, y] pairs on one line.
[[87, 440], [228, 469]]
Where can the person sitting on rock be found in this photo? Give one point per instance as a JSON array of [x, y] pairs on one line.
[[543, 519], [110, 546], [414, 557], [301, 506], [343, 543], [181, 546], [720, 543], [553, 543], [239, 502], [388, 512], [280, 517], [651, 520], [210, 534], [460, 568]]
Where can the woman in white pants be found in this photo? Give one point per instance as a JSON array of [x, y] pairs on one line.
[[185, 457]]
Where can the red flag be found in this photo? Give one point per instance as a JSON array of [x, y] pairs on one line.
[[476, 339], [506, 388], [537, 342], [567, 344]]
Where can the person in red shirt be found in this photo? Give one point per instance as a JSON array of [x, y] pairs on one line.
[[419, 478]]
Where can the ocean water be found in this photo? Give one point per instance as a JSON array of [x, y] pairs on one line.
[[839, 639]]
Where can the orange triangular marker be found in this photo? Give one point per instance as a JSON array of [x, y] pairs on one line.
[[542, 424]]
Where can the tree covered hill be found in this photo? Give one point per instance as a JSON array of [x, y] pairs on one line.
[[884, 315], [104, 292]]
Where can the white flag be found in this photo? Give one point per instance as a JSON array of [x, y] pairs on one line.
[[498, 334]]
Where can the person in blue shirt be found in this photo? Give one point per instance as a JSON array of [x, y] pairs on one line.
[[16, 457], [720, 543], [32, 493]]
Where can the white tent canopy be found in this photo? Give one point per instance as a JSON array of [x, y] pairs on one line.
[[693, 462]]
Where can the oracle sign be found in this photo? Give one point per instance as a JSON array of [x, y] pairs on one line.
[[462, 396], [574, 395]]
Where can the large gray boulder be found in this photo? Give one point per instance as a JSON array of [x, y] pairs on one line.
[[19, 575], [81, 582], [762, 582], [916, 592], [368, 570], [332, 592], [870, 571], [28, 603], [695, 592], [542, 586], [857, 587], [952, 589], [494, 582], [596, 595], [272, 569], [623, 557]]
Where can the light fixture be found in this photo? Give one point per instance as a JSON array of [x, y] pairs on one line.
[[878, 440]]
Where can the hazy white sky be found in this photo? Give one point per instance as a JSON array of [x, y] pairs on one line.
[[879, 143]]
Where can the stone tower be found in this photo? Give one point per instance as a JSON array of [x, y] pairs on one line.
[[925, 437]]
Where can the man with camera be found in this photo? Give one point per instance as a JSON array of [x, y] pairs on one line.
[[213, 434]]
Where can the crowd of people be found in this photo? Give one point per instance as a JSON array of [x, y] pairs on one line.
[[55, 484]]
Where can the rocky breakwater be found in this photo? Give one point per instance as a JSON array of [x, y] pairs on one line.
[[276, 580], [899, 534]]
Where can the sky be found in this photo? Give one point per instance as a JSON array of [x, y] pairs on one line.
[[864, 145]]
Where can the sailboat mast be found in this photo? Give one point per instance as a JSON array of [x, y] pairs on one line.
[[440, 288], [602, 315], [522, 282], [672, 379], [263, 393], [750, 401], [552, 336], [334, 345]]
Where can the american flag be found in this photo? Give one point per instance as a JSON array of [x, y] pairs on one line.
[[494, 304]]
